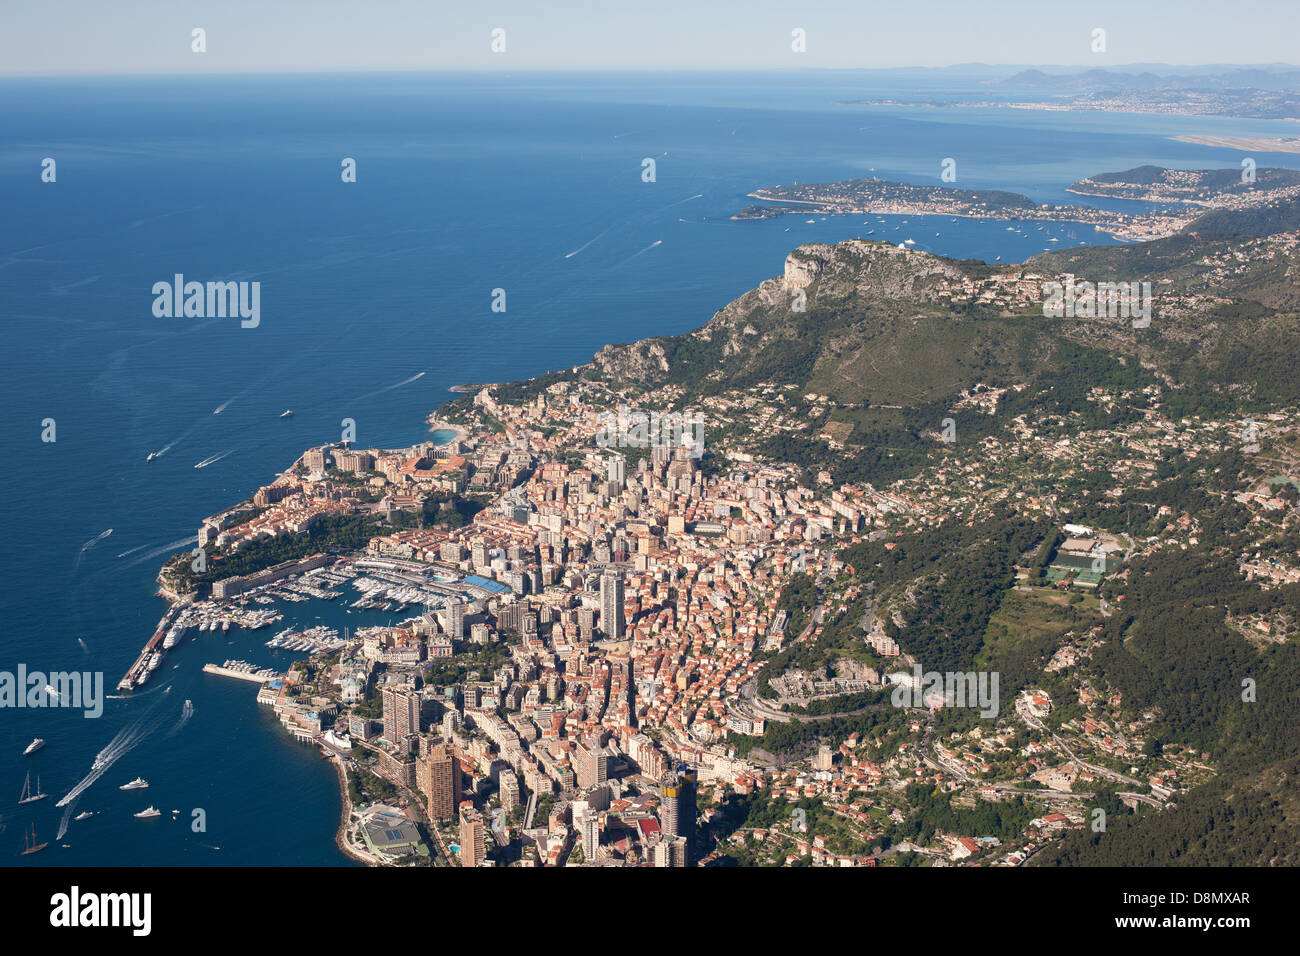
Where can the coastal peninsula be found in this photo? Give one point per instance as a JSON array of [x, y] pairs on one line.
[[1183, 195]]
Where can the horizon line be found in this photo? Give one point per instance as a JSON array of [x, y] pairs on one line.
[[332, 71]]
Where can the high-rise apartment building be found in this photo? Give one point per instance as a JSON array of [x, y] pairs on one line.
[[438, 777], [677, 809], [471, 837], [611, 605], [617, 470], [401, 709], [591, 765], [670, 851]]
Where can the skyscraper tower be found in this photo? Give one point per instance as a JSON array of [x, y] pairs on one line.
[[401, 710], [677, 808], [611, 605], [438, 777], [669, 788], [617, 470], [456, 621], [471, 837]]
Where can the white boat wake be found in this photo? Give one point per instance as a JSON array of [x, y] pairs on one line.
[[126, 740], [63, 824], [570, 255], [96, 539], [657, 242], [163, 549], [165, 448], [213, 460], [389, 388], [187, 712], [687, 199], [89, 545]]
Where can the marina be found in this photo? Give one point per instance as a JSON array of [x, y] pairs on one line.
[[385, 586], [200, 617], [315, 640]]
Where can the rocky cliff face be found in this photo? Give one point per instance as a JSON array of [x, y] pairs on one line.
[[804, 265], [642, 361], [868, 270], [856, 273]]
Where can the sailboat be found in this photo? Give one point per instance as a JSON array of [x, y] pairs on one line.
[[31, 846], [27, 795]]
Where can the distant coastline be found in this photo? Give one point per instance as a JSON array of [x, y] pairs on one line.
[[1261, 144], [1179, 196]]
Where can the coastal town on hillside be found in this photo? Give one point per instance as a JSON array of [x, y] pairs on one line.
[[880, 197], [742, 437], [618, 644], [1178, 198]]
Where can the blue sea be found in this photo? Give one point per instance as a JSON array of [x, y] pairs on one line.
[[466, 183]]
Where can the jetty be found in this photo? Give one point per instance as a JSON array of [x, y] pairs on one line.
[[242, 670], [153, 646]]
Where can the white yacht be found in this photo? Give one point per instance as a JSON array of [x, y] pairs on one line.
[[174, 636], [139, 783], [34, 746], [149, 812]]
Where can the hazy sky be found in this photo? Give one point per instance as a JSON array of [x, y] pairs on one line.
[[154, 36]]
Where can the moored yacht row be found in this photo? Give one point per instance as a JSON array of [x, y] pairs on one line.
[[178, 621]]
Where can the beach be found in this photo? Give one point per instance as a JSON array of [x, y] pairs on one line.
[[436, 426]]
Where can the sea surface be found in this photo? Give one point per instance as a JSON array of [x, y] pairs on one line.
[[375, 299]]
